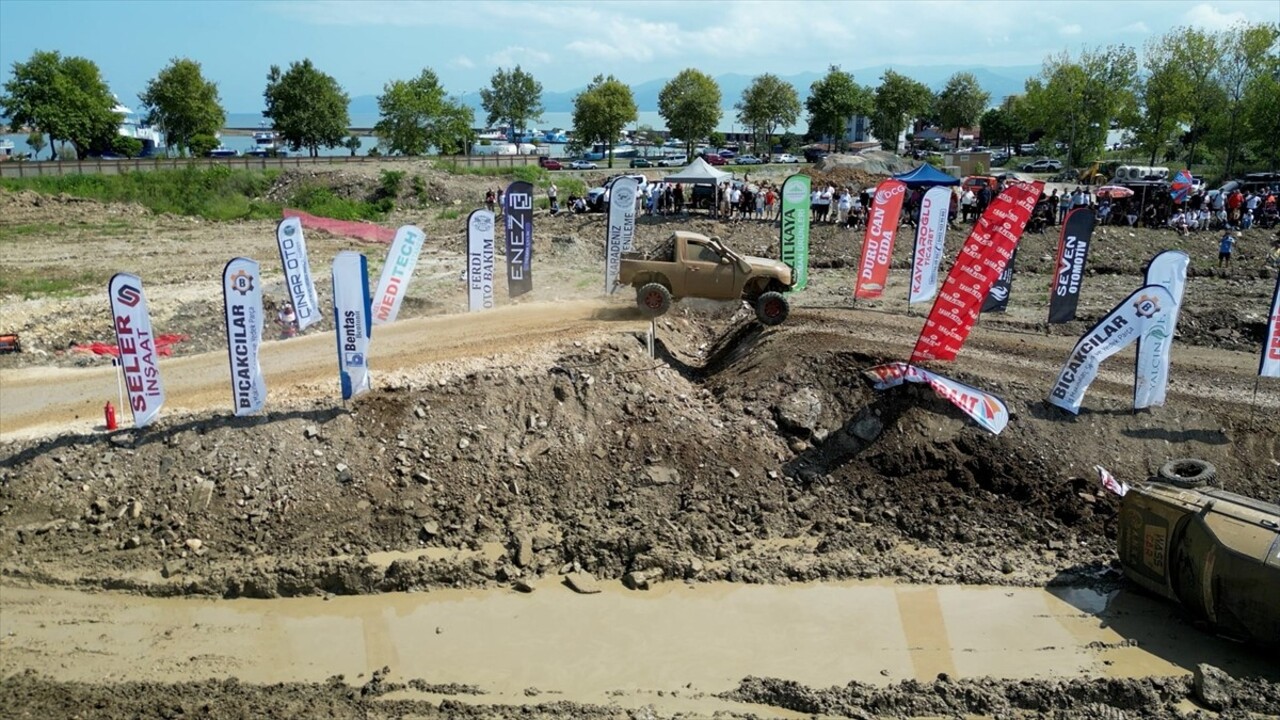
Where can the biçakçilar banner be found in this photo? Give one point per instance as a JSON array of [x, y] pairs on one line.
[[297, 271], [998, 297], [517, 213], [402, 258], [1269, 365], [1068, 275], [480, 261], [1151, 367], [620, 231], [794, 229], [245, 321], [877, 241], [931, 239], [139, 356], [986, 409], [985, 253], [353, 323]]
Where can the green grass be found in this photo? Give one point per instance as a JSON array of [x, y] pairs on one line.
[[449, 214], [16, 231], [48, 280]]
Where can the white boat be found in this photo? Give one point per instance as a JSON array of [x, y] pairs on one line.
[[152, 140], [6, 149], [266, 143], [492, 136]]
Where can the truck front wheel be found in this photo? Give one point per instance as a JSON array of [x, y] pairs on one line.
[[772, 308], [1188, 473], [653, 299]]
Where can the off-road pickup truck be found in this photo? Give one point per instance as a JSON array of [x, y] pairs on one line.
[[1215, 552], [689, 265]]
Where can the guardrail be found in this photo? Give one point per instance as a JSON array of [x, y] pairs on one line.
[[24, 169]]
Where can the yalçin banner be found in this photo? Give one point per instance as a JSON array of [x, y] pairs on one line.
[[931, 238], [877, 242], [986, 409], [480, 262], [795, 229], [1151, 368], [242, 310], [402, 258], [297, 271], [517, 212], [620, 231], [139, 356], [352, 321]]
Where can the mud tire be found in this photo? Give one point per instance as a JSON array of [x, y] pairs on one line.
[[772, 308], [1188, 473], [653, 299]]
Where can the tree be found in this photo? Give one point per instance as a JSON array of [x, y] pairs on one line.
[[417, 115], [1262, 115], [182, 103], [308, 107], [602, 110], [961, 102], [1163, 94], [768, 103], [1002, 125], [690, 103], [1078, 99], [65, 98], [1248, 48], [201, 145], [36, 142], [353, 144], [1198, 52], [833, 100], [897, 100], [513, 98]]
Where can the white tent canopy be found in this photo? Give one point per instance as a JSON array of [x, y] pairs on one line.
[[699, 172]]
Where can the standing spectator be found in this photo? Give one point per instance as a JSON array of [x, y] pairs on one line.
[[760, 195], [1225, 246], [553, 198], [1234, 202], [843, 205], [489, 197], [967, 201], [1064, 206], [677, 197], [770, 201], [287, 321]]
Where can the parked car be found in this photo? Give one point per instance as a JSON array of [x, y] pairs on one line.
[[748, 160], [714, 159], [672, 162], [597, 197], [813, 155], [583, 165], [640, 162], [785, 158], [550, 164], [728, 154], [1043, 165]]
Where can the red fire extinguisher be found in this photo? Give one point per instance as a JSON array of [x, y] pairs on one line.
[[109, 411]]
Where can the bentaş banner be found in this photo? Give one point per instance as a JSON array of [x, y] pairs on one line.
[[998, 298], [985, 253], [1151, 368], [620, 231], [352, 322], [402, 258], [931, 238], [986, 409], [139, 358], [877, 242], [1269, 366], [795, 229], [480, 260], [242, 308], [1122, 326], [297, 271], [517, 211], [1068, 276]]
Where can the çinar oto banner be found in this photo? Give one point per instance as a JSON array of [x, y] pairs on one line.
[[998, 298], [620, 231], [139, 357], [402, 258], [297, 271], [1151, 368], [795, 229], [480, 260], [985, 253], [1123, 325], [517, 212], [1073, 251], [1269, 366], [352, 321], [877, 242], [242, 308], [931, 238], [986, 409]]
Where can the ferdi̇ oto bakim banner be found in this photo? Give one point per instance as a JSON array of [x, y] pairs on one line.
[[931, 239], [480, 260], [794, 230], [1068, 275], [402, 258], [620, 231], [243, 313], [352, 322], [139, 356], [297, 271], [1151, 367], [517, 212], [877, 242]]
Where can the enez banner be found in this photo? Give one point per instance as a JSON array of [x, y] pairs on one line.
[[1121, 327], [517, 212], [1151, 368], [242, 309], [1269, 366], [877, 242], [1073, 251], [795, 229], [480, 260], [998, 299], [297, 271], [620, 231], [986, 409], [352, 321], [931, 238], [139, 358], [402, 258], [985, 253]]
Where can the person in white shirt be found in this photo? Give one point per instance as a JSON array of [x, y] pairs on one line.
[[843, 204]]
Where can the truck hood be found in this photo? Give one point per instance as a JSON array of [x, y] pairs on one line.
[[773, 267]]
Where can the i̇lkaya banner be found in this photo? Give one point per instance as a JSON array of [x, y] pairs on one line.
[[297, 271], [1122, 326], [1068, 276], [620, 231], [480, 261], [931, 238], [139, 357], [1269, 365], [795, 229], [402, 258], [352, 322], [986, 409], [983, 257], [877, 242], [242, 308], [1151, 367], [517, 213], [998, 298]]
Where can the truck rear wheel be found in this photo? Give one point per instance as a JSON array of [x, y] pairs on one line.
[[772, 308], [1188, 473], [653, 299]]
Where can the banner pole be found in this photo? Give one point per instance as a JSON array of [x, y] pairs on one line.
[[118, 367], [653, 331], [1253, 404]]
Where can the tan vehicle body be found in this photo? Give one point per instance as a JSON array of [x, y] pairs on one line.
[[691, 265]]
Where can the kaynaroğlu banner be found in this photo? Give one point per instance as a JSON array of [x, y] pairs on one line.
[[517, 212], [931, 238], [297, 271], [242, 308], [139, 357], [795, 229], [1151, 368], [998, 298], [352, 321], [402, 258], [877, 242], [1073, 251], [1269, 366], [986, 409], [1122, 326], [480, 260], [620, 231]]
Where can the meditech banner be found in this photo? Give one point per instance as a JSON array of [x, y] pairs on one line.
[[1151, 367], [352, 321], [1269, 366], [984, 256], [297, 271], [877, 242], [931, 238], [139, 358], [1122, 326], [402, 258], [479, 260], [242, 308], [620, 231], [998, 298], [795, 229], [1073, 251], [517, 212], [986, 409]]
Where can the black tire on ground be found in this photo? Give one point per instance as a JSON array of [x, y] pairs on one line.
[[772, 308], [1188, 473], [653, 299]]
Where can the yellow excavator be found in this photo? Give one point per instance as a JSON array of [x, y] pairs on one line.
[[1099, 172]]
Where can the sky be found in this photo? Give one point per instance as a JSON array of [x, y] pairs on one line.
[[365, 43]]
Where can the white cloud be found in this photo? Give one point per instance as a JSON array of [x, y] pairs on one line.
[[462, 62], [1208, 17], [517, 55], [1071, 29], [1137, 27]]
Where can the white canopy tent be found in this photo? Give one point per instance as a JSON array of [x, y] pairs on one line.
[[699, 172]]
